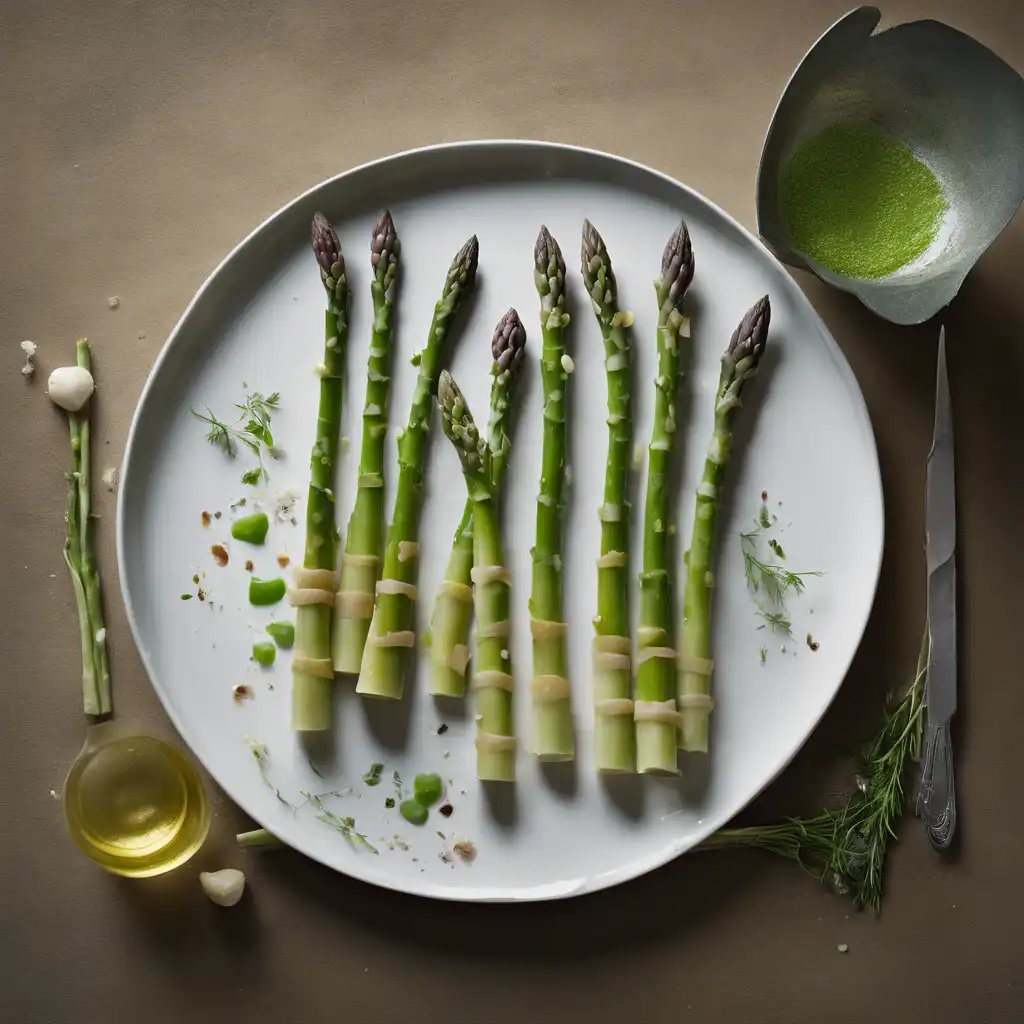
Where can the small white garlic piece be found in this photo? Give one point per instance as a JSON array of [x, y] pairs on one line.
[[70, 387], [223, 887]]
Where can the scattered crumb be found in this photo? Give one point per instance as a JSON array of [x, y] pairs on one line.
[[29, 348], [205, 518], [284, 506], [283, 560], [216, 515], [220, 554], [29, 369], [764, 496], [842, 947], [812, 643], [445, 858], [248, 565], [242, 693], [442, 729], [466, 852], [114, 301], [109, 478], [142, 335], [202, 595], [53, 795], [445, 810]]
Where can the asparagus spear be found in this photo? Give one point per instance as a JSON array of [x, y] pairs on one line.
[[79, 550], [492, 680], [614, 737], [657, 731], [364, 544], [552, 711], [449, 627], [739, 364], [391, 628], [315, 582]]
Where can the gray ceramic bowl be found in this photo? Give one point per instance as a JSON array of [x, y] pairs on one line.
[[951, 100]]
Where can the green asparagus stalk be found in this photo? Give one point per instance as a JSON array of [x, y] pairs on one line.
[[80, 555], [492, 677], [552, 709], [364, 544], [614, 736], [315, 582], [739, 364], [657, 731], [449, 627], [391, 634]]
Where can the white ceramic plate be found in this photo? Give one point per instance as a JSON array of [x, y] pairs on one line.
[[804, 436]]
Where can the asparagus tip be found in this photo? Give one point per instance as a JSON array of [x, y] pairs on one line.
[[326, 246], [384, 237], [509, 342], [677, 265], [752, 332], [467, 259]]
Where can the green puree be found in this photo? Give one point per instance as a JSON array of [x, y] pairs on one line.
[[859, 202]]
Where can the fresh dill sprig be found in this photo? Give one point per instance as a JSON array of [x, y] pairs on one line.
[[764, 655], [774, 579], [846, 848], [346, 826], [251, 429], [262, 755], [776, 620]]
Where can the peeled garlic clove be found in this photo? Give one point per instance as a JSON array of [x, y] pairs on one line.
[[70, 387], [223, 887]]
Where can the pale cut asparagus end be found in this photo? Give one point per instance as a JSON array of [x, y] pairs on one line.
[[509, 343], [385, 249], [496, 766], [549, 269], [381, 673], [326, 247], [552, 731], [615, 743], [694, 735], [677, 267], [656, 745]]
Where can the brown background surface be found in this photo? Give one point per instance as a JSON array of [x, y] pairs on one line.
[[141, 142]]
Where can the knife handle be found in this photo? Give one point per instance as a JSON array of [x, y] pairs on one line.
[[936, 803]]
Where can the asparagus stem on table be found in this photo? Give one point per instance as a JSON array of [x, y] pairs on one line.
[[739, 364], [391, 633], [657, 720], [364, 543], [614, 736], [316, 581], [492, 676], [550, 688], [449, 627], [80, 554]]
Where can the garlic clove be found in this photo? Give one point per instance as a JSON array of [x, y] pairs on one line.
[[70, 387], [224, 887]]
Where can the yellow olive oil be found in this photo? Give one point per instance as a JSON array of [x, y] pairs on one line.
[[135, 804]]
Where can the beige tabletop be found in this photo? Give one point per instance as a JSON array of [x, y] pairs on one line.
[[141, 142]]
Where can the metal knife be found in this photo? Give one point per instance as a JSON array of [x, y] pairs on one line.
[[936, 802]]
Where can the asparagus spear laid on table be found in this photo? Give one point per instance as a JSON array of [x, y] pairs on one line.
[[552, 710], [739, 364], [614, 737], [315, 582], [657, 720], [449, 627], [71, 388], [492, 675], [391, 633], [364, 544]]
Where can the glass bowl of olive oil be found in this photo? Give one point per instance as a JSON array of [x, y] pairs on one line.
[[135, 804]]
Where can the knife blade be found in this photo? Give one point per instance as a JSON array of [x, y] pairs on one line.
[[936, 803]]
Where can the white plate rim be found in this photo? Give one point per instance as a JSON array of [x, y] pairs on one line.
[[641, 865]]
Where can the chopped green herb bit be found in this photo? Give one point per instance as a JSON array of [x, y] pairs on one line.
[[413, 811], [812, 643], [397, 780], [316, 771], [764, 655], [372, 777], [251, 477], [186, 597], [252, 529], [777, 548], [262, 592], [428, 788], [283, 633], [777, 620], [389, 802], [195, 578], [443, 836], [264, 652]]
